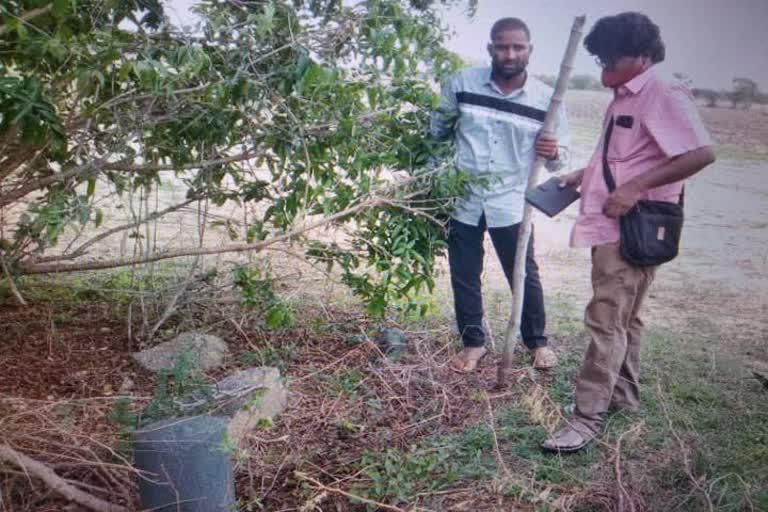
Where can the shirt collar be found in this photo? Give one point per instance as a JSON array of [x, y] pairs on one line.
[[489, 82], [636, 85]]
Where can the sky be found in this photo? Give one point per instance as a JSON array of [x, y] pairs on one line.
[[710, 41]]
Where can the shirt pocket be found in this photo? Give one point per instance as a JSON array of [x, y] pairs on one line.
[[625, 137]]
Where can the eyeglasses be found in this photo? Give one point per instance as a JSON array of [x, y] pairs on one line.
[[605, 64]]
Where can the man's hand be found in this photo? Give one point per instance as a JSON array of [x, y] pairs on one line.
[[572, 180], [546, 146], [622, 199]]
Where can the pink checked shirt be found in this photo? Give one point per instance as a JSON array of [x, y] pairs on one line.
[[659, 121]]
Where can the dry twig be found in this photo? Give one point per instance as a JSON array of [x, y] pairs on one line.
[[683, 450], [335, 490], [622, 492], [55, 482]]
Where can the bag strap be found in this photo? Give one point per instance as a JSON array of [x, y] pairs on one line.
[[608, 177]]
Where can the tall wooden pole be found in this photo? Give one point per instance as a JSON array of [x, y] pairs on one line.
[[518, 275]]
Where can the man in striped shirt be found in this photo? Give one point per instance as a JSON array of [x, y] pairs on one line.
[[495, 115]]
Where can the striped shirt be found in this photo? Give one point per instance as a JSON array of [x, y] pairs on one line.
[[495, 135]]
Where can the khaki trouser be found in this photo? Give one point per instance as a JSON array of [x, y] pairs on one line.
[[609, 375]]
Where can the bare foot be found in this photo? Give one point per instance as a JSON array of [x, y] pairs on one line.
[[544, 358], [467, 360]]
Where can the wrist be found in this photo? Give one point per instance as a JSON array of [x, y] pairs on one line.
[[634, 188]]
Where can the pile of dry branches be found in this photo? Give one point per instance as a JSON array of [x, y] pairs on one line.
[[62, 452]]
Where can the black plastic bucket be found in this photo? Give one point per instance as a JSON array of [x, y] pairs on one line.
[[189, 463]]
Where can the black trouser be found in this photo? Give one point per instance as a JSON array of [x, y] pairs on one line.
[[465, 256]]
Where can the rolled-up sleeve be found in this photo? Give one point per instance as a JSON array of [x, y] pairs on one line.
[[675, 124]]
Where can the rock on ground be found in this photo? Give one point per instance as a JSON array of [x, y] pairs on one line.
[[207, 352], [250, 396]]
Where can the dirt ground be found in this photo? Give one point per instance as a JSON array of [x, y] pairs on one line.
[[721, 276]]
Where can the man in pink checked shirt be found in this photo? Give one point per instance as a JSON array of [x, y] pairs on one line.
[[655, 141]]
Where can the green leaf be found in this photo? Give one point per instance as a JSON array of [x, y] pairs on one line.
[[60, 8], [91, 187]]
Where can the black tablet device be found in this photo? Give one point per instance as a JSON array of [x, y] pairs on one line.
[[550, 198]]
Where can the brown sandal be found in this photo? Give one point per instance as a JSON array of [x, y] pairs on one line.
[[569, 439], [462, 364]]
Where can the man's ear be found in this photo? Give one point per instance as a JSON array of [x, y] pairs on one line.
[[530, 48], [490, 49]]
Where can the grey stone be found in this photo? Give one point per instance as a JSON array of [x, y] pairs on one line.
[[253, 395], [246, 398], [206, 350], [126, 386], [392, 342]]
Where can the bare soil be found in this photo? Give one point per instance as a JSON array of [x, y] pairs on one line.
[[54, 352]]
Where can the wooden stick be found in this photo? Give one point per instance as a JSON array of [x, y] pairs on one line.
[[55, 482], [524, 233]]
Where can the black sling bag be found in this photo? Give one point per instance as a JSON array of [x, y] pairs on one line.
[[650, 230]]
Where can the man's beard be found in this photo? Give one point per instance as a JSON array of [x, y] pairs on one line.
[[510, 72]]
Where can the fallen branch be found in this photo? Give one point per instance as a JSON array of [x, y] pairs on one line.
[[622, 492], [497, 451], [55, 482]]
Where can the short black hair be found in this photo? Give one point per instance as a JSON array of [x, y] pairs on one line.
[[509, 24], [629, 34]]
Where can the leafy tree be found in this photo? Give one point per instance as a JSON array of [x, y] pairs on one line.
[[305, 113], [585, 82], [709, 95], [744, 92]]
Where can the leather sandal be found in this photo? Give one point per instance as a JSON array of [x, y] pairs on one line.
[[544, 358], [463, 364], [569, 439]]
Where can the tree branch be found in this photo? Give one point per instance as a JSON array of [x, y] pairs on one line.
[[18, 193], [36, 268], [55, 482], [33, 13], [80, 251], [11, 284]]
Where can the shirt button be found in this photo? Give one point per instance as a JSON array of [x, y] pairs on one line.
[[491, 161]]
